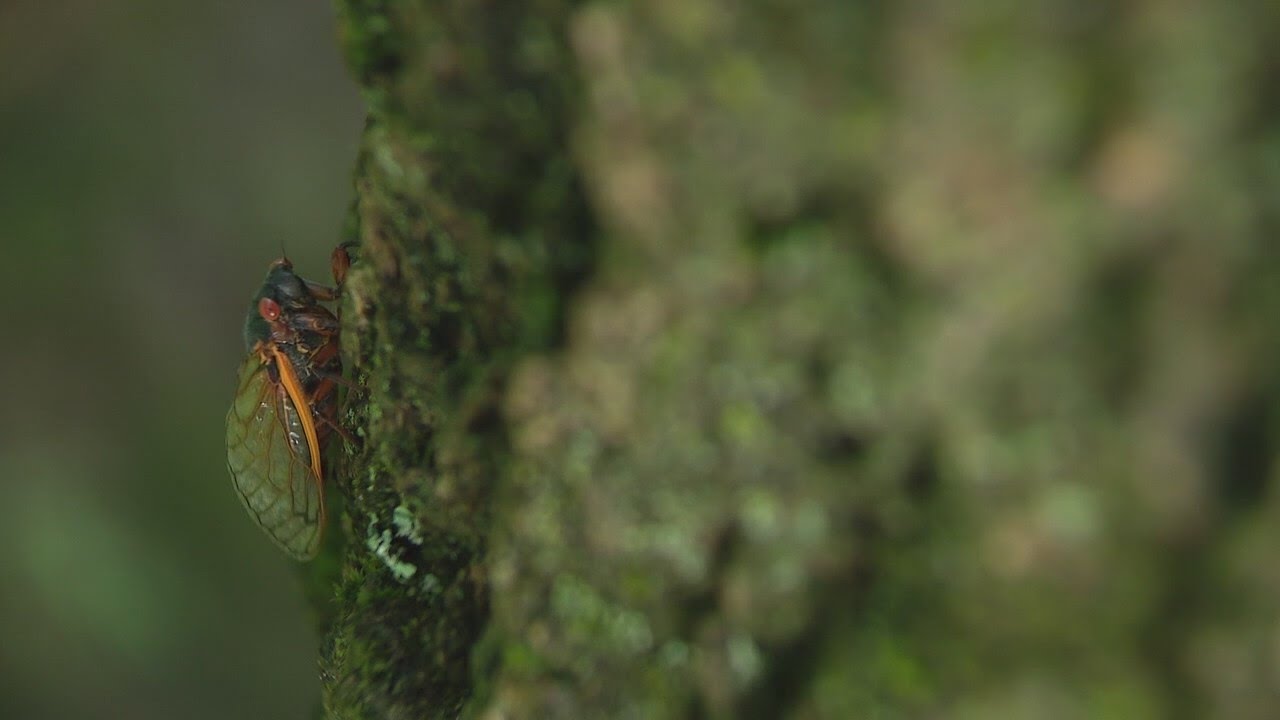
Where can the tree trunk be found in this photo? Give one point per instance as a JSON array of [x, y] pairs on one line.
[[811, 359]]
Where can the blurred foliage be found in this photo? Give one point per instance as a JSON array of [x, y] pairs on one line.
[[153, 158]]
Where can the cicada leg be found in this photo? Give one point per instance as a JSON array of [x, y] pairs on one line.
[[351, 439], [339, 263], [325, 325]]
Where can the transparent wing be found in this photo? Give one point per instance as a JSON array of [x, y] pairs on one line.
[[270, 463]]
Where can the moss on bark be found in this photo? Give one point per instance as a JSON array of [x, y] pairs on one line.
[[471, 226], [810, 359]]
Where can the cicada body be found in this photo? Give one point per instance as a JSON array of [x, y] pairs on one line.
[[285, 407]]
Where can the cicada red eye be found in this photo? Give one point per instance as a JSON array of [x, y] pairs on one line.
[[269, 309]]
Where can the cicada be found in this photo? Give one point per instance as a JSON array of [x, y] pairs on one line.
[[285, 408]]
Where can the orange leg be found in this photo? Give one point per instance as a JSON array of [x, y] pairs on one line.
[[339, 263]]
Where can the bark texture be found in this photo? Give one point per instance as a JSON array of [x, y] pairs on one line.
[[816, 359]]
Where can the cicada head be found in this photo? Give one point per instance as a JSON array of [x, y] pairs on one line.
[[282, 292]]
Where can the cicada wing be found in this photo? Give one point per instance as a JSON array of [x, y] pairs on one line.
[[270, 462]]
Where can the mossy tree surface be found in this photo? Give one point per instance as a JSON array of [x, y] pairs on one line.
[[811, 359]]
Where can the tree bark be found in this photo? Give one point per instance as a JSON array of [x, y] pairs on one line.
[[816, 359]]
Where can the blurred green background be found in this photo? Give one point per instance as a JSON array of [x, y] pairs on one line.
[[154, 157]]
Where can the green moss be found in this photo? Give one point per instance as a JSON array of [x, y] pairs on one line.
[[371, 40], [590, 617], [431, 308]]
